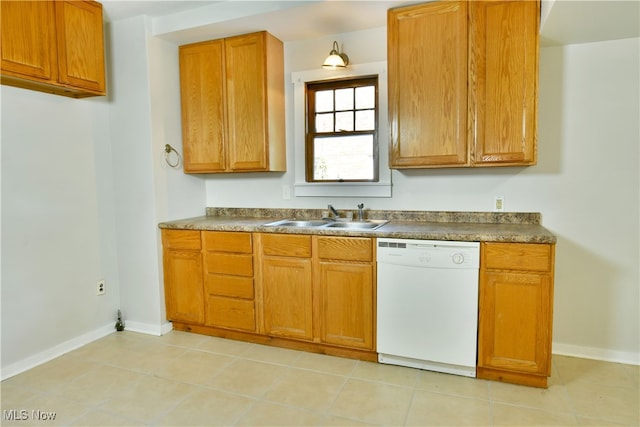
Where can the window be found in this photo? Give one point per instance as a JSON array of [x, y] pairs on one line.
[[360, 189], [342, 130]]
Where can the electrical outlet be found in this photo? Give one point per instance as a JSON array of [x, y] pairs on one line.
[[498, 204], [101, 287], [286, 192]]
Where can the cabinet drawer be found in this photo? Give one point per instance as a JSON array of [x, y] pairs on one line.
[[181, 239], [227, 241], [232, 264], [286, 245], [345, 248], [230, 286], [231, 313], [517, 256]]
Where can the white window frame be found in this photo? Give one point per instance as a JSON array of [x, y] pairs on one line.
[[382, 188]]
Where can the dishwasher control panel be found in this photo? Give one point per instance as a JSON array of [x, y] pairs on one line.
[[429, 253]]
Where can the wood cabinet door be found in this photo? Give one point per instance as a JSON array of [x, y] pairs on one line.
[[183, 280], [203, 100], [287, 297], [515, 322], [80, 42], [503, 84], [28, 43], [427, 57], [184, 291], [246, 102], [346, 301]]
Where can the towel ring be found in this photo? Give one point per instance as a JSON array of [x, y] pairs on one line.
[[168, 149]]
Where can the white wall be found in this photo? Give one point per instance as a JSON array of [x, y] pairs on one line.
[[585, 184], [144, 116], [84, 185], [590, 114], [133, 175], [57, 226]]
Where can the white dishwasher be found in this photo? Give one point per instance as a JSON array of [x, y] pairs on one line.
[[427, 312]]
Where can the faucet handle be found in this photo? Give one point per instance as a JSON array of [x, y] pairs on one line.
[[361, 206]]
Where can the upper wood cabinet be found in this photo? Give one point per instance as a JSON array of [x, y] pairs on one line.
[[203, 99], [463, 83], [232, 95], [28, 39], [81, 45], [427, 57], [53, 46], [503, 89]]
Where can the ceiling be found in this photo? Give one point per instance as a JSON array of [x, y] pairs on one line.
[[289, 20], [579, 21], [115, 10], [564, 21]]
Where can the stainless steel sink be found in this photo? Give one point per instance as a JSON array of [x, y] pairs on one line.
[[372, 224], [302, 223]]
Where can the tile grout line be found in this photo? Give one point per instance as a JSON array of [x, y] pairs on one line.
[[411, 401]]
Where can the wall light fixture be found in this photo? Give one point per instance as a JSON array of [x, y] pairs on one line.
[[336, 60]]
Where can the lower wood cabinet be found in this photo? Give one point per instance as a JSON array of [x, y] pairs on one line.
[[346, 285], [229, 280], [300, 291], [319, 288], [286, 286], [182, 263], [515, 314]]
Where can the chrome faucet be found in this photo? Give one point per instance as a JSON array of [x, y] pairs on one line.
[[361, 212], [334, 211]]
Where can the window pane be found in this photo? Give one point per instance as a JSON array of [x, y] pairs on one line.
[[344, 99], [324, 101], [344, 122], [341, 132], [343, 157], [365, 97], [365, 120], [324, 122]]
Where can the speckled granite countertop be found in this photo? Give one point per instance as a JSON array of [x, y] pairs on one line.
[[461, 226]]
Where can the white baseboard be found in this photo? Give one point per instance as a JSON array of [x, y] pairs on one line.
[[56, 351], [167, 327], [148, 328], [74, 343], [603, 354]]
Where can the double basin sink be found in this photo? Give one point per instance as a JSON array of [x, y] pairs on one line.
[[370, 224]]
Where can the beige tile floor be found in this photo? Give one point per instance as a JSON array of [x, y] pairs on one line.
[[184, 379]]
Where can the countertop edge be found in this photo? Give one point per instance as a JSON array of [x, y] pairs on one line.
[[456, 231]]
